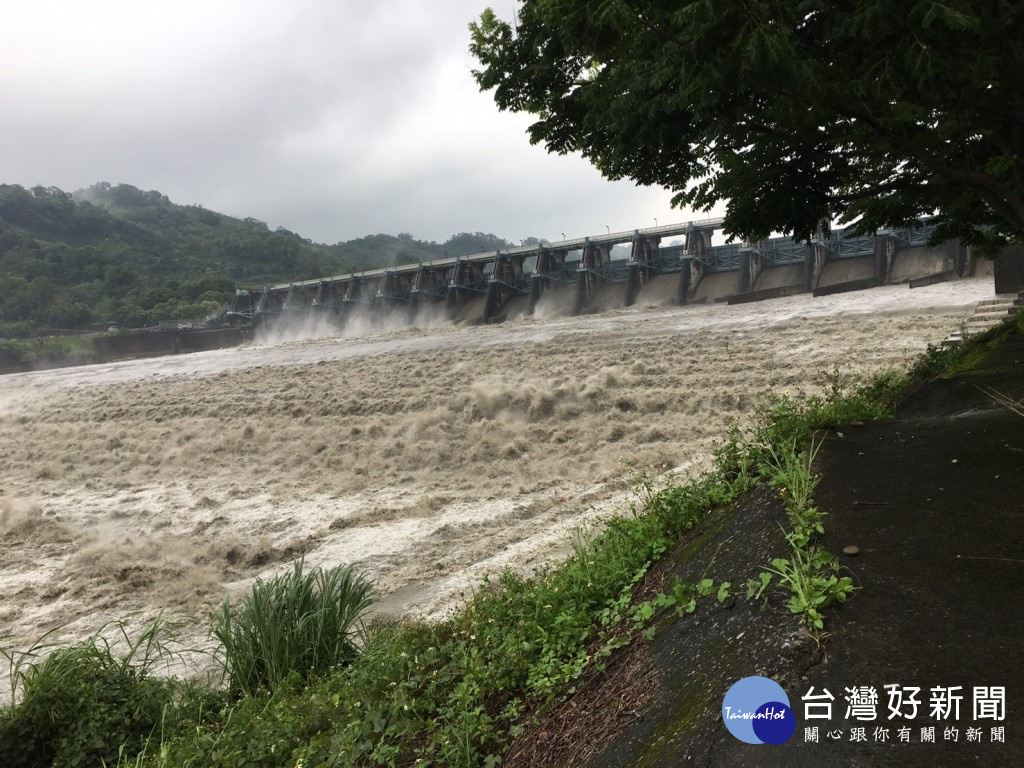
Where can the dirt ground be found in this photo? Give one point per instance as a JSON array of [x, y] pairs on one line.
[[429, 455]]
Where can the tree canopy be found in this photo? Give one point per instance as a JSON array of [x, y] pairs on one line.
[[870, 111]]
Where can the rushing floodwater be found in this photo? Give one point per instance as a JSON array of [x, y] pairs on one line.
[[429, 455]]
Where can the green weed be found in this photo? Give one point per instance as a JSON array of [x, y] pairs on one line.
[[790, 472], [811, 576]]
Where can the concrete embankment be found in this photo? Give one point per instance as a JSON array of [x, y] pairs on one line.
[[789, 275], [717, 286], [911, 263], [847, 271], [157, 343]]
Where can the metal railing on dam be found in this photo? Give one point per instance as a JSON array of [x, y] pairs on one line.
[[583, 273]]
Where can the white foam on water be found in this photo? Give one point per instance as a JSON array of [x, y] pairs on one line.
[[431, 455]]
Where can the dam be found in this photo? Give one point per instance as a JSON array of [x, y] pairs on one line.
[[676, 263]]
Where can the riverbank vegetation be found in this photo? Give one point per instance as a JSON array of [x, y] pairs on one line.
[[45, 352], [450, 693]]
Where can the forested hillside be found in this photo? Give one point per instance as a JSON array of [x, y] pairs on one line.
[[117, 254]]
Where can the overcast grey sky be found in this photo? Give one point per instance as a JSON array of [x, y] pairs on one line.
[[332, 118]]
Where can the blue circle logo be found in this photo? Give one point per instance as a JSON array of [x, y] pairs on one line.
[[756, 710]]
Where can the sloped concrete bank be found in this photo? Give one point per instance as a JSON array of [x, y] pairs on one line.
[[667, 692], [698, 658]]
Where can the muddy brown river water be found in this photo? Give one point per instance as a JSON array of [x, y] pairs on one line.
[[429, 455]]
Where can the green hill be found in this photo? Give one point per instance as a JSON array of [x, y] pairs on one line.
[[118, 254]]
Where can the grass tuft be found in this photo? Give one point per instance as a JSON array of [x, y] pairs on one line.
[[85, 704], [300, 623]]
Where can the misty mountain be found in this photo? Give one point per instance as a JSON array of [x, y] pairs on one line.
[[115, 253]]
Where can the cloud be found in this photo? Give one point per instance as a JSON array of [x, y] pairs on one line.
[[333, 119]]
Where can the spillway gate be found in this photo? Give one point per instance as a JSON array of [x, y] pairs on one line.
[[618, 265]]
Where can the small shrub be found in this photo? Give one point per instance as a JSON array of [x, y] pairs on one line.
[[84, 705], [936, 360], [296, 624]]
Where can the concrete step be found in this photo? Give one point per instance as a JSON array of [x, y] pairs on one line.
[[974, 323], [988, 312], [994, 309], [1000, 299], [979, 323], [990, 317]]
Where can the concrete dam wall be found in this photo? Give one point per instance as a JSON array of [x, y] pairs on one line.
[[585, 275]]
